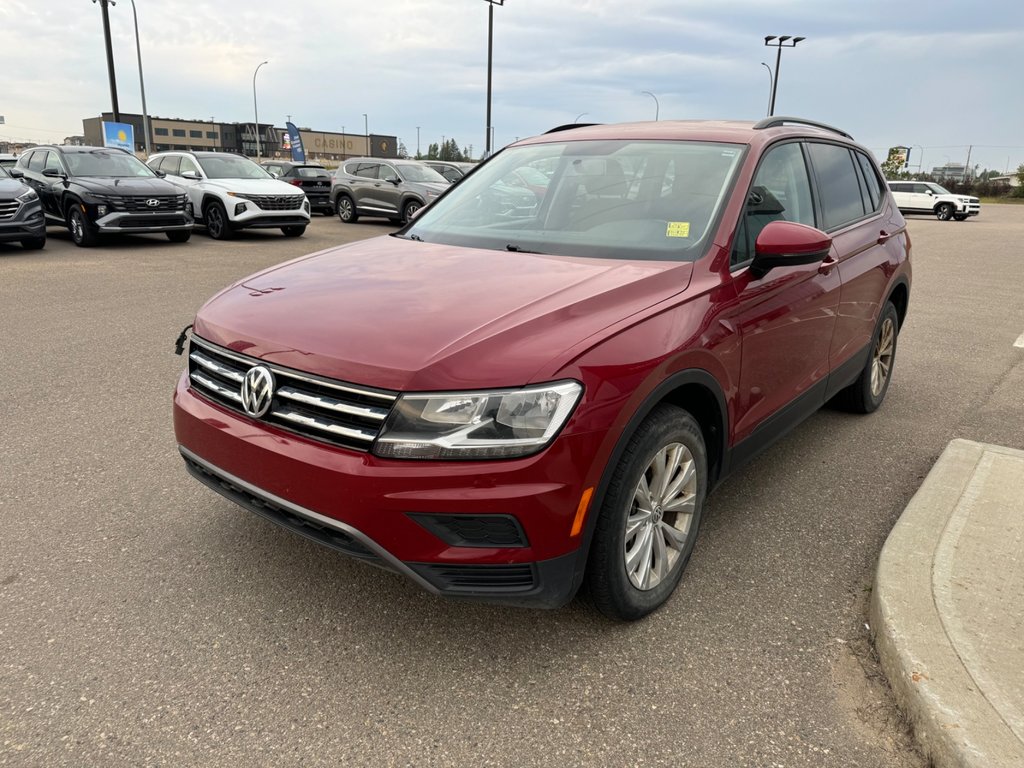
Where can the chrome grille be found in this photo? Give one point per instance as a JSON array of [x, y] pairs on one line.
[[276, 202], [8, 208], [321, 409], [139, 203]]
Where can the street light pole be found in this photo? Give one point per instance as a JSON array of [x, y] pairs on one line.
[[417, 142], [110, 58], [490, 60], [771, 87], [366, 130], [657, 106], [256, 111], [778, 60], [142, 83]]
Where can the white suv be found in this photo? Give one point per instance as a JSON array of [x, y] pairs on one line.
[[230, 192], [926, 197]]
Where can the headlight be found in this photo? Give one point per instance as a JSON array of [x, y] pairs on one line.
[[477, 425], [28, 195]]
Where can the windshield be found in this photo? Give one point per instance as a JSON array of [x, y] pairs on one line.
[[937, 189], [412, 172], [312, 172], [231, 167], [3, 173], [111, 164], [606, 199]]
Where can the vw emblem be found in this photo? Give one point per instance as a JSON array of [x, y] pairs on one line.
[[153, 202], [257, 391]]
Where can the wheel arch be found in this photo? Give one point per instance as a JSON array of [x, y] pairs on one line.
[[899, 295], [696, 391], [210, 197]]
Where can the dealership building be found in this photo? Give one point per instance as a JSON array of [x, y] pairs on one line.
[[207, 135]]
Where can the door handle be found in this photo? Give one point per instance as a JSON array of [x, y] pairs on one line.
[[883, 236], [826, 267]]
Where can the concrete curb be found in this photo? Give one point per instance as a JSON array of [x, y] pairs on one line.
[[947, 609]]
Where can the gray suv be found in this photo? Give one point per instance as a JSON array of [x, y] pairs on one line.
[[393, 189]]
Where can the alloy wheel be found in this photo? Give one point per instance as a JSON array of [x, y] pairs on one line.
[[881, 361], [660, 516]]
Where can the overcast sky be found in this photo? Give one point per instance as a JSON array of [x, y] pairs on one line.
[[934, 73]]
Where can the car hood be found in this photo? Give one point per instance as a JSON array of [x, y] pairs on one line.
[[126, 186], [405, 315], [11, 188], [254, 186]]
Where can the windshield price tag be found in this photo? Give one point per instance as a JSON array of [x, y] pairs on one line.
[[678, 229]]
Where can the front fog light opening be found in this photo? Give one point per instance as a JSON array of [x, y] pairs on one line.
[[101, 210], [240, 209]]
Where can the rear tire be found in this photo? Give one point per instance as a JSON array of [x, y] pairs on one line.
[[648, 523], [179, 235], [216, 219], [82, 232], [866, 394], [33, 243], [346, 209], [296, 231], [944, 211]]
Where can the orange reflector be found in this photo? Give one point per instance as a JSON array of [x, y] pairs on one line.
[[581, 512]]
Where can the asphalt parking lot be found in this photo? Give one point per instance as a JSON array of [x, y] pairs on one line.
[[144, 620]]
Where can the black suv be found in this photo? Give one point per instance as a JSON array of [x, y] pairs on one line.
[[94, 190], [313, 179]]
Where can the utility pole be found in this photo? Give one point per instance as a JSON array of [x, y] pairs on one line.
[[110, 58], [967, 166]]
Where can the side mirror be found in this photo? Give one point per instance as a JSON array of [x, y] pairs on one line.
[[15, 173], [53, 173], [929, 193], [159, 173], [786, 244], [275, 175], [191, 176], [394, 180]]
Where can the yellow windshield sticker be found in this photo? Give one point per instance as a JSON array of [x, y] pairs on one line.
[[678, 229]]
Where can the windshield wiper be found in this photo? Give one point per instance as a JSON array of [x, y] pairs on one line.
[[517, 249]]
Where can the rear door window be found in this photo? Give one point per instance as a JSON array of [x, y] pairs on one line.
[[838, 185]]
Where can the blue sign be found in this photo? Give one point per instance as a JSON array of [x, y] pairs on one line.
[[298, 153], [121, 135]]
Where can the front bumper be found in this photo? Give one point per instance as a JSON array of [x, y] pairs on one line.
[[27, 222], [371, 508], [254, 217], [119, 222]]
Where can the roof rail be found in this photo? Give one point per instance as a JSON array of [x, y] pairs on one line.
[[775, 122], [569, 127]]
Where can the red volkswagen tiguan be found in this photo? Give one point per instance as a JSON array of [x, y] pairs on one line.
[[502, 401]]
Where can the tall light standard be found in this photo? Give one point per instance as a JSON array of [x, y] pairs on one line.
[[142, 84], [770, 87], [490, 60], [657, 106], [780, 44], [366, 131], [256, 110], [417, 142], [110, 58]]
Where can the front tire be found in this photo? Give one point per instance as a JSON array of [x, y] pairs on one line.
[[33, 243], [179, 235], [296, 231], [346, 209], [217, 225], [648, 523], [866, 394], [82, 232], [410, 210], [944, 211]]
